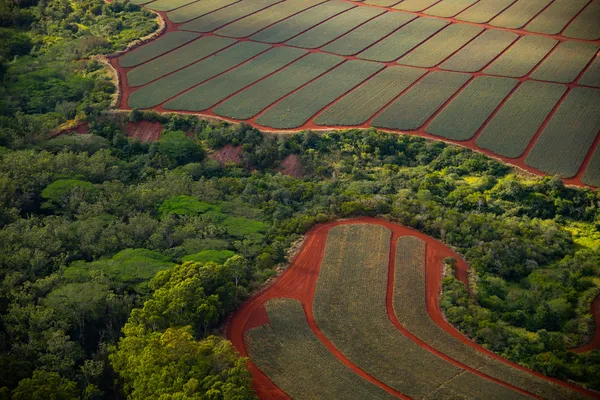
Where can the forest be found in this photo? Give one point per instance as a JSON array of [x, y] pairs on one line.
[[120, 260]]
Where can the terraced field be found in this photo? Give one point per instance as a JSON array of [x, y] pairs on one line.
[[357, 316], [492, 75]]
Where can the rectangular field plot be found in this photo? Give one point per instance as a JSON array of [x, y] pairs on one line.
[[157, 47], [565, 63], [256, 98], [295, 110], [334, 28], [210, 93], [253, 23], [289, 353], [519, 14], [359, 105], [167, 5], [564, 143], [554, 18], [176, 59], [290, 27], [415, 5], [217, 19], [591, 176], [420, 102], [449, 8], [478, 53], [382, 3], [522, 57], [403, 40], [463, 117], [162, 90], [440, 46], [591, 77], [197, 9], [515, 124], [350, 308], [484, 11], [369, 33], [586, 25]]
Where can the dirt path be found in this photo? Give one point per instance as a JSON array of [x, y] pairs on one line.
[[299, 282], [595, 342]]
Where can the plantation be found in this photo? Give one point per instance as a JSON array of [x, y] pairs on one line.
[[585, 26], [591, 77], [522, 57], [518, 14], [197, 9], [554, 18], [226, 15], [484, 10], [158, 47], [565, 63]]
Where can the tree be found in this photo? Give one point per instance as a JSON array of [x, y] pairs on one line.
[[45, 385], [180, 148]]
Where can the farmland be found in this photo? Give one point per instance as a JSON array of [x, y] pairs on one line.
[[352, 315], [549, 46]]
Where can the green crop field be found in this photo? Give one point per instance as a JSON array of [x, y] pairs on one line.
[[296, 109], [518, 14], [565, 63], [158, 47], [478, 53], [521, 57], [512, 128], [166, 5], [463, 117], [420, 102], [554, 18], [576, 119], [197, 9], [449, 8], [222, 17], [415, 5], [586, 25], [484, 10], [591, 175], [360, 104], [591, 77], [297, 362]]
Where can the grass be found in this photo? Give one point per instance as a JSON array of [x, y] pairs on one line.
[[584, 234], [256, 98], [413, 108], [197, 9], [219, 18], [156, 48], [360, 104], [295, 110], [167, 5], [415, 5], [290, 27], [369, 33], [334, 28], [564, 143], [554, 18], [216, 256], [586, 25], [176, 59], [522, 57], [210, 93], [449, 8], [566, 62], [440, 46], [463, 117], [288, 352], [403, 40], [591, 176], [162, 90], [484, 11], [591, 77], [241, 227], [515, 124], [478, 53], [517, 15], [253, 23]]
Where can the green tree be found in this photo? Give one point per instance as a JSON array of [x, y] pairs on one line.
[[45, 385], [180, 148]]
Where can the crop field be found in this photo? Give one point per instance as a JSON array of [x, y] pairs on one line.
[[451, 54], [592, 173], [350, 318]]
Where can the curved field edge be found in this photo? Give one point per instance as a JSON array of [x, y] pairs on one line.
[[299, 282]]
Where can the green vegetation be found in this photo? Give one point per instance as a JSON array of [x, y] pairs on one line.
[[480, 52], [554, 18], [156, 48], [195, 10], [566, 62], [449, 8], [519, 13], [522, 57], [483, 11], [583, 27]]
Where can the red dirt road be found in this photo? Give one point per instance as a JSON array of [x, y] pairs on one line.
[[595, 342], [299, 282]]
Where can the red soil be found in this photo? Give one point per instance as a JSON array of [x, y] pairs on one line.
[[228, 154], [299, 282], [144, 131], [595, 342], [291, 166]]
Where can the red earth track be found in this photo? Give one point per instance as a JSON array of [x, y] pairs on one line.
[[518, 162], [595, 342], [299, 282]]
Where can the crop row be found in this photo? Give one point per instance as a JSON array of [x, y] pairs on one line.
[[591, 76], [463, 117], [554, 18], [411, 310], [568, 137], [208, 94], [522, 57], [591, 176], [484, 11], [256, 98], [299, 107], [219, 18], [195, 10], [586, 25], [449, 8], [253, 23], [514, 125], [288, 352], [167, 5], [176, 59], [566, 62], [156, 48], [415, 5], [415, 106], [519, 13], [157, 92]]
